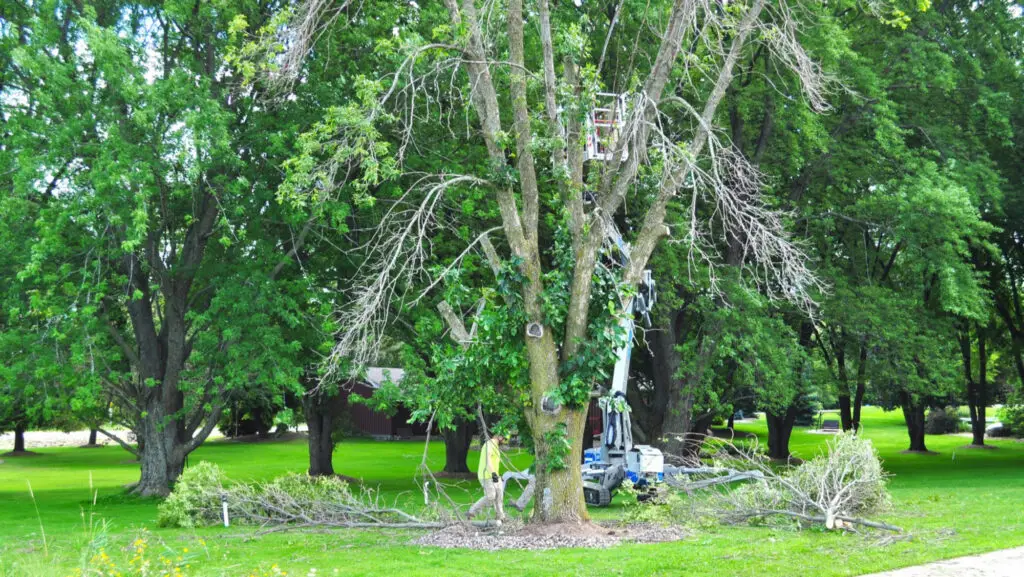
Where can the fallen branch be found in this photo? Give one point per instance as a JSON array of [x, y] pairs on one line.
[[837, 488], [676, 479], [821, 519]]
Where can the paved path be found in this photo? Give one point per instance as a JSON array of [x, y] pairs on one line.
[[1005, 563]]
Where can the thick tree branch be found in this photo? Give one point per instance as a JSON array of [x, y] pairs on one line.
[[654, 222], [521, 122], [118, 440]]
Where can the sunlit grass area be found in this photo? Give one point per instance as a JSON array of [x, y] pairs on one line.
[[957, 502]]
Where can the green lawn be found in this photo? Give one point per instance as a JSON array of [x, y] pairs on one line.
[[954, 503]]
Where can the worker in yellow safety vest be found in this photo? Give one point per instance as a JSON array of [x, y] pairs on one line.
[[490, 480]]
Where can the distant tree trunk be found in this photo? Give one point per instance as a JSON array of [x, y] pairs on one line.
[[321, 410], [1009, 308], [456, 447], [780, 428], [845, 414], [1018, 356], [19, 438], [976, 395], [731, 425], [858, 398], [259, 422], [684, 432], [975, 388], [671, 406], [588, 433], [913, 415], [92, 436], [699, 428]]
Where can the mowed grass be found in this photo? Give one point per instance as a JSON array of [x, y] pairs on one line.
[[958, 502]]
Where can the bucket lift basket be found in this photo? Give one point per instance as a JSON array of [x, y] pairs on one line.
[[604, 126]]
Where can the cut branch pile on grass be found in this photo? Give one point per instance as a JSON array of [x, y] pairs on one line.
[[837, 489], [292, 501]]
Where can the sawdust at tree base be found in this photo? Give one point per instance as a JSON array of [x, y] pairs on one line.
[[516, 535]]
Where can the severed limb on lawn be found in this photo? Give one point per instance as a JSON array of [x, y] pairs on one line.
[[843, 521], [681, 477], [838, 488]]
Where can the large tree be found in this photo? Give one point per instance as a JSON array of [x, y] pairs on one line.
[[530, 91], [154, 176]]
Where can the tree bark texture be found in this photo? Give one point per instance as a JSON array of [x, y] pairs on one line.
[[19, 438], [858, 398], [913, 415], [456, 447], [850, 408], [845, 405], [780, 428], [977, 392], [321, 410]]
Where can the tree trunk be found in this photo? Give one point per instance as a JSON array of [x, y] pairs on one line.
[[913, 415], [92, 436], [162, 455], [780, 428], [558, 466], [1018, 356], [845, 414], [975, 388], [321, 411], [858, 398], [671, 405], [976, 394], [731, 425], [679, 418], [456, 447], [19, 438], [557, 437], [699, 429]]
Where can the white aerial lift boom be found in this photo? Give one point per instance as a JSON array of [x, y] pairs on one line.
[[618, 457]]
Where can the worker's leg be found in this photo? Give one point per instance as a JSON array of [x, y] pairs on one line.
[[499, 500], [484, 501]]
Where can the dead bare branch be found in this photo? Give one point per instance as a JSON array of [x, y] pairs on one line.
[[397, 255], [835, 489]]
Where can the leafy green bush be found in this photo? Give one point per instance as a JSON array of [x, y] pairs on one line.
[[661, 507], [195, 500], [1012, 416], [942, 421]]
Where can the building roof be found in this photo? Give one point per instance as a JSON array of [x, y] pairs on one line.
[[377, 376]]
